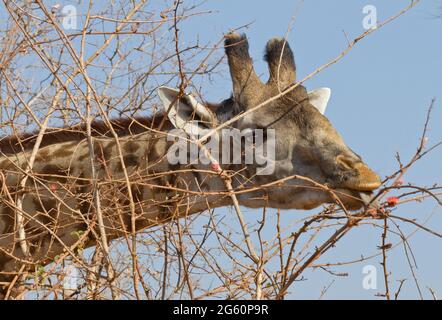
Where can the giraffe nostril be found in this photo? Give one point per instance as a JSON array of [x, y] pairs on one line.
[[345, 162]]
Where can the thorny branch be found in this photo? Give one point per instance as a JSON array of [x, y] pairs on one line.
[[100, 71]]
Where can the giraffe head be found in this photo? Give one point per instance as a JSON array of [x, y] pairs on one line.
[[306, 143]]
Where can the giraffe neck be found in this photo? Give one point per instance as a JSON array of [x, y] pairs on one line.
[[58, 206]]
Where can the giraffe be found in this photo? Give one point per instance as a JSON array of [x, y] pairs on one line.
[[138, 187]]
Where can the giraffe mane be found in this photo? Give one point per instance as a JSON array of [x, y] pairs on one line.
[[123, 126]]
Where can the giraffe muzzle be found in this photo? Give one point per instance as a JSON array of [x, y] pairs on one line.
[[365, 180]]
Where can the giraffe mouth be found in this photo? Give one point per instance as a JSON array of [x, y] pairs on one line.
[[365, 180], [354, 200], [363, 186], [360, 192]]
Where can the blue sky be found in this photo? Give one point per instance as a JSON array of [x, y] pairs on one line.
[[380, 93]]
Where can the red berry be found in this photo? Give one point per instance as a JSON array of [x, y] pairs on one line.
[[392, 201], [216, 167]]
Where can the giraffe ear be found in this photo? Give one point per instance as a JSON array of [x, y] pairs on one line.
[[319, 98], [186, 112]]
